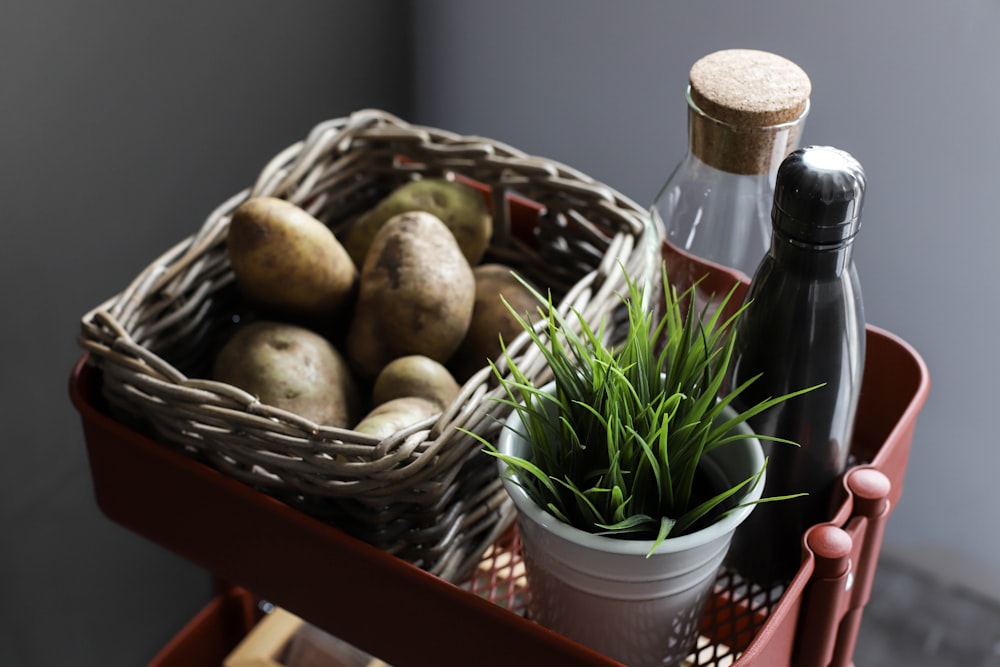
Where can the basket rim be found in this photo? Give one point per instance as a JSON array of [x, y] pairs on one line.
[[275, 177]]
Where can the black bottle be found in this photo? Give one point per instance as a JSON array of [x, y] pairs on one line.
[[804, 325]]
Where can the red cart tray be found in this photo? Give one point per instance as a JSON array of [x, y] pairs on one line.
[[406, 616], [212, 633]]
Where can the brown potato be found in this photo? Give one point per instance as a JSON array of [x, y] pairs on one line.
[[292, 368], [415, 296], [457, 205], [395, 415], [491, 320], [286, 259], [415, 375]]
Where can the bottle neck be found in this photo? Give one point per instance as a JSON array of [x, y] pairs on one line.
[[810, 260], [739, 149]]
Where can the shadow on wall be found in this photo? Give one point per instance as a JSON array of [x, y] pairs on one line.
[[123, 127]]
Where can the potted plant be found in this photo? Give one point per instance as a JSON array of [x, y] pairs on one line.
[[629, 471]]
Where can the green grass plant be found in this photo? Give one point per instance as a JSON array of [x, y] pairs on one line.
[[616, 446]]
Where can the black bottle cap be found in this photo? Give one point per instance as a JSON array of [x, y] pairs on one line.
[[818, 195]]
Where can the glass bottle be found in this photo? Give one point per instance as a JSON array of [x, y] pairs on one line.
[[746, 112], [803, 326]]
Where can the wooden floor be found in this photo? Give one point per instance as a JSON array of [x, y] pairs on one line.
[[914, 621]]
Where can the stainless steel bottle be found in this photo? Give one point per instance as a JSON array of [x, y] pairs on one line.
[[804, 325]]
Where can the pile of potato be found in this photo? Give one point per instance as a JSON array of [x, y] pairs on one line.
[[403, 309]]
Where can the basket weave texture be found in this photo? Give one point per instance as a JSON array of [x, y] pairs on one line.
[[426, 494]]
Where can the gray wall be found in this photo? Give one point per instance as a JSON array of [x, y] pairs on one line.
[[909, 87], [122, 125]]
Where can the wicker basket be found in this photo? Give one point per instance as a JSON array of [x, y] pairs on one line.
[[426, 494]]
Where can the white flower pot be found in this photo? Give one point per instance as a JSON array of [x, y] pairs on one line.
[[604, 592]]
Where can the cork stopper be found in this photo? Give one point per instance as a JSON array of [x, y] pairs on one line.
[[747, 109]]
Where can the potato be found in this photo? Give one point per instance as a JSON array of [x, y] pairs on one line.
[[415, 295], [491, 319], [286, 259], [415, 375], [290, 367], [396, 414], [459, 206]]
